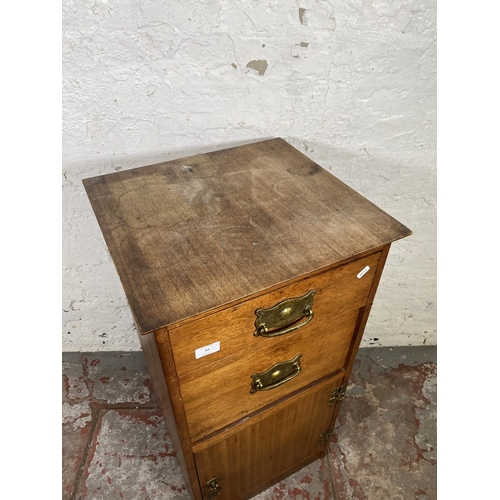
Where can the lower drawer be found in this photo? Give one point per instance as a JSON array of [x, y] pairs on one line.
[[221, 395], [239, 463]]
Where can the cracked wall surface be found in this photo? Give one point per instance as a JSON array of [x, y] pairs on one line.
[[351, 84]]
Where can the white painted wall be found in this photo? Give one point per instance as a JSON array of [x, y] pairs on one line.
[[351, 83]]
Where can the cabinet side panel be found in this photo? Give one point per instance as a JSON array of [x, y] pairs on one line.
[[366, 313], [158, 378], [362, 320]]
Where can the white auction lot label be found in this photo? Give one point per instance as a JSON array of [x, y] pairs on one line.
[[363, 272], [206, 350]]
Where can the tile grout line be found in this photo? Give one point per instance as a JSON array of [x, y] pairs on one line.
[[86, 453], [102, 407], [98, 409], [330, 473], [95, 419]]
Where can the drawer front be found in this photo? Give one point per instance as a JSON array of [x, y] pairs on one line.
[[337, 291], [225, 392], [247, 458]]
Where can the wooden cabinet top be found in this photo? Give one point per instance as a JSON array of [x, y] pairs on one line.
[[191, 235]]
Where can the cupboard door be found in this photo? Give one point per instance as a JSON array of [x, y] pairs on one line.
[[249, 457]]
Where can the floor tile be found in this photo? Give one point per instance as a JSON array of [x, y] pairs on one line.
[[76, 420], [131, 458], [311, 483], [75, 386], [115, 445], [118, 378], [384, 445], [76, 431]]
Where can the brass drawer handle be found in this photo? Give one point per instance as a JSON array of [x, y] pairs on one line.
[[276, 375], [282, 317]]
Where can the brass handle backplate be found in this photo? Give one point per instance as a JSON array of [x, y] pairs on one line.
[[276, 375], [282, 317], [213, 488]]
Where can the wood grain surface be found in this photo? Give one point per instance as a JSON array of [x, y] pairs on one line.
[[337, 291], [220, 394], [360, 327], [176, 430], [157, 346], [191, 235], [260, 451]]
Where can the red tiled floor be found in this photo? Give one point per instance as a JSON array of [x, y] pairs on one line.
[[119, 378], [76, 422], [115, 445], [310, 483], [131, 458], [385, 441], [75, 440]]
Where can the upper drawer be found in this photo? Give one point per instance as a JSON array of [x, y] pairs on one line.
[[234, 387], [337, 290]]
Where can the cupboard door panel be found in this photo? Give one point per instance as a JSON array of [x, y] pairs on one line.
[[256, 453]]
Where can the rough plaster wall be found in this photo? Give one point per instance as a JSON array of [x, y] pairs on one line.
[[351, 83]]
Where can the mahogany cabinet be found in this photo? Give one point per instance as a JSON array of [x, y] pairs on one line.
[[250, 273]]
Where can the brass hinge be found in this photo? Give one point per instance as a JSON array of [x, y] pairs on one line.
[[325, 436], [213, 488], [337, 394]]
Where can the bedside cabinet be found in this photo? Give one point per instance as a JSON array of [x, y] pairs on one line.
[[250, 273]]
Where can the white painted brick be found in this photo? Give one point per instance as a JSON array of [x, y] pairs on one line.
[[351, 84]]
